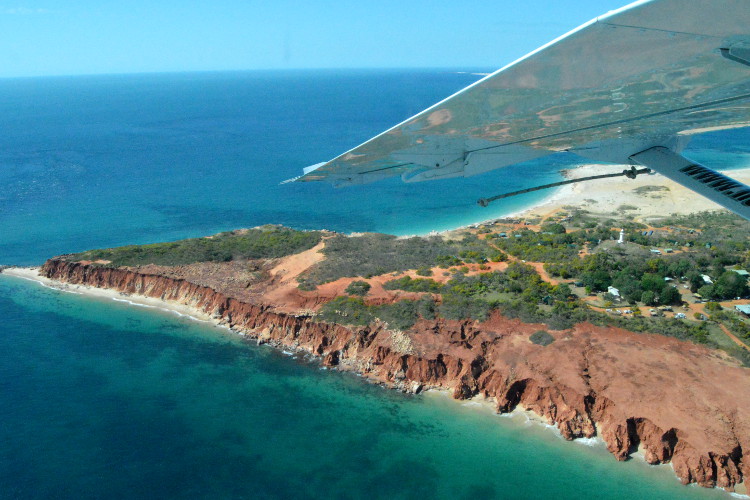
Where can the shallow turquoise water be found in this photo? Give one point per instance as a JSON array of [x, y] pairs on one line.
[[106, 400], [102, 400], [113, 160]]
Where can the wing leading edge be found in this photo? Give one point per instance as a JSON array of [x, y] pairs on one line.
[[651, 74]]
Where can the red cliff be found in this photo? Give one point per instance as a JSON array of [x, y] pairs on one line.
[[674, 401]]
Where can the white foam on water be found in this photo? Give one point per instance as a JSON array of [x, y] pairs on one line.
[[592, 441], [138, 304], [45, 285], [166, 309]]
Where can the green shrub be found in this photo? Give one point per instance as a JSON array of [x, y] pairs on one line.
[[424, 271], [541, 338], [446, 261], [358, 288], [413, 285], [305, 285], [713, 306], [400, 315], [346, 311], [498, 257], [553, 228], [458, 307], [426, 307]]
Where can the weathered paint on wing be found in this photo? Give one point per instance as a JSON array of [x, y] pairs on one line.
[[650, 74]]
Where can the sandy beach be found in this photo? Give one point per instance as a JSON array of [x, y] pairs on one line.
[[647, 196], [520, 415], [32, 274]]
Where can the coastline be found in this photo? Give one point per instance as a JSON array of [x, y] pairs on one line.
[[608, 196], [263, 335], [32, 274]]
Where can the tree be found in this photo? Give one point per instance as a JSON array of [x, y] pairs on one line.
[[696, 281], [652, 282], [679, 268], [597, 280], [649, 298], [707, 292], [730, 285], [562, 291], [553, 228], [670, 295]]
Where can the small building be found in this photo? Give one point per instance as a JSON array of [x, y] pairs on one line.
[[656, 251], [668, 250], [614, 292], [741, 272], [707, 279], [680, 316], [743, 308]]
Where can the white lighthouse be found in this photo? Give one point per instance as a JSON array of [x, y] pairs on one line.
[[622, 236]]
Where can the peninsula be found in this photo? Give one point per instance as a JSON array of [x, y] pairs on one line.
[[636, 342]]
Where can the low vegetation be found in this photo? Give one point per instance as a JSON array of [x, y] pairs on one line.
[[358, 288], [375, 254], [643, 190], [655, 269], [409, 284], [400, 315], [260, 243], [542, 338]]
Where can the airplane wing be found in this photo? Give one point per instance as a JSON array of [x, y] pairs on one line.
[[649, 75]]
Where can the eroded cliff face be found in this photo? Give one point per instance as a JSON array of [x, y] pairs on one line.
[[674, 401]]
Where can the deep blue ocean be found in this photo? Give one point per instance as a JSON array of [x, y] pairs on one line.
[[101, 399]]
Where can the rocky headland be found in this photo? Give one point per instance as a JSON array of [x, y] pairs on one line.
[[674, 401]]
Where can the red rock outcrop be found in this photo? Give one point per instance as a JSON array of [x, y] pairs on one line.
[[674, 401]]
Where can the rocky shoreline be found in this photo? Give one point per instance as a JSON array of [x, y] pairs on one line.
[[574, 386]]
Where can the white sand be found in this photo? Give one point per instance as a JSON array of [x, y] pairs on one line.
[[32, 274], [607, 195]]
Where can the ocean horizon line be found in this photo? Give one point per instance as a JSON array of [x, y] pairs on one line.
[[331, 69]]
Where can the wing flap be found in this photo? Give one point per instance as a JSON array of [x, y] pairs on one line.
[[719, 188]]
